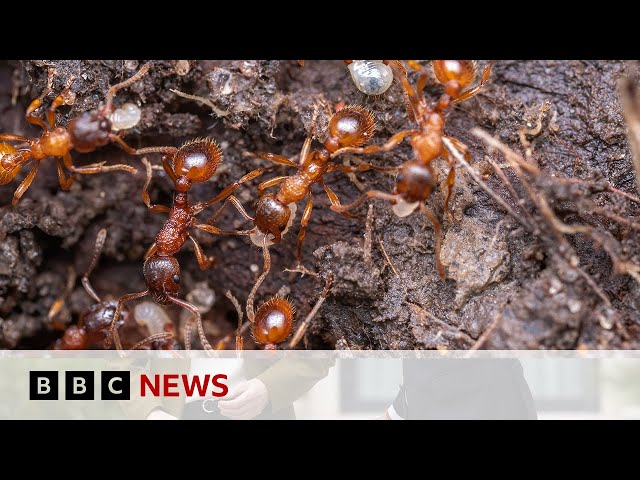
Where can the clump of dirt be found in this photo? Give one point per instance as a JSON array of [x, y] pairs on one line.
[[510, 278]]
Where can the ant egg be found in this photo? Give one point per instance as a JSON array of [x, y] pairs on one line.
[[404, 209], [372, 77], [127, 116], [152, 315], [258, 237]]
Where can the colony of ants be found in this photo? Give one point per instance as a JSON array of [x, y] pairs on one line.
[[350, 128]]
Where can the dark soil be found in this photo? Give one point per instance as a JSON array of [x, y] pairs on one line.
[[500, 275]]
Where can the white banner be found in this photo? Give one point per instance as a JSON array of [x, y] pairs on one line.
[[319, 384]]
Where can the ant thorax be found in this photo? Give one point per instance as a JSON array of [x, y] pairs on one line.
[[258, 236]]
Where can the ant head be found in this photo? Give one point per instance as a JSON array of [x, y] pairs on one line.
[[272, 216], [98, 318], [162, 275], [273, 321], [455, 74], [197, 159], [89, 131], [416, 181], [351, 126], [74, 338]]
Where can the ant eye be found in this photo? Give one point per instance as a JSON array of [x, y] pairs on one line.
[[176, 278], [105, 124], [282, 227]]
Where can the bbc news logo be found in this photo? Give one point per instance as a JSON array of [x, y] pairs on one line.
[[79, 385]]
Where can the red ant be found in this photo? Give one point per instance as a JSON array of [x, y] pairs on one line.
[[194, 162], [272, 323], [417, 178], [85, 133], [93, 327], [352, 126]]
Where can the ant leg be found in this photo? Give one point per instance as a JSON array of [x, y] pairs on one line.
[[97, 250], [152, 250], [460, 147], [389, 145], [233, 200], [305, 323], [58, 102], [204, 262], [474, 90], [228, 190], [26, 183], [306, 215], [333, 198], [145, 194], [33, 119], [399, 72], [9, 137], [239, 340], [140, 151], [95, 168], [216, 231], [196, 313], [438, 231], [279, 159], [271, 183], [119, 86], [362, 167], [451, 180], [251, 314], [65, 183], [57, 305], [152, 338], [370, 194], [113, 331]]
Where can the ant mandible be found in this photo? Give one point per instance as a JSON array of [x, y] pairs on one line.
[[85, 133], [417, 178], [272, 323], [352, 126], [93, 328], [194, 162]]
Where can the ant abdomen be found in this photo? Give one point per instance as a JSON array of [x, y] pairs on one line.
[[9, 168], [461, 71], [162, 275], [272, 218], [273, 322], [89, 131], [197, 159], [352, 126]]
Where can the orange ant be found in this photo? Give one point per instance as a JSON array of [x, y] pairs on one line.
[[85, 133], [352, 126], [194, 162], [272, 323], [417, 178], [93, 327]]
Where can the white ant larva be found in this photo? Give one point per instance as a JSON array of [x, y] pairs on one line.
[[127, 116], [372, 77]]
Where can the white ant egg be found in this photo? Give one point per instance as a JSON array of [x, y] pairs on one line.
[[258, 237], [127, 116], [372, 77], [404, 209]]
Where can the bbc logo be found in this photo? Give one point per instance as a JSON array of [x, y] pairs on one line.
[[79, 385]]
